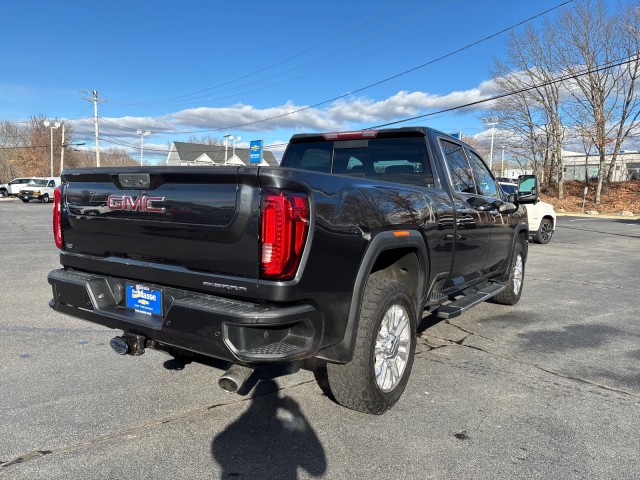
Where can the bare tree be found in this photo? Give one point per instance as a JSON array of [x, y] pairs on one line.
[[532, 110], [205, 140], [605, 104]]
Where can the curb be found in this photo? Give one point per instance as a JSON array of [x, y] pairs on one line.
[[609, 216]]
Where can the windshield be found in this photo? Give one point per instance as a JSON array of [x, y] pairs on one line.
[[37, 183]]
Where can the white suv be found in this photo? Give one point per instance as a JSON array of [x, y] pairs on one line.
[[39, 188], [12, 189], [541, 216]]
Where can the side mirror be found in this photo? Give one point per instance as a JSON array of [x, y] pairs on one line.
[[528, 189], [508, 207]]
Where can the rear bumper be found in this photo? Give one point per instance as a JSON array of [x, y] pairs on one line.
[[237, 331]]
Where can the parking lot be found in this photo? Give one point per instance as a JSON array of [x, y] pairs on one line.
[[549, 388]]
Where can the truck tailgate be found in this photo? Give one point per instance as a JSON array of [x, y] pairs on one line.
[[202, 219]]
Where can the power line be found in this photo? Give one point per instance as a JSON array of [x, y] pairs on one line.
[[298, 67], [563, 78], [242, 77], [393, 77]]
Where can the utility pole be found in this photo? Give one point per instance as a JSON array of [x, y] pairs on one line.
[[62, 151], [95, 101], [51, 127]]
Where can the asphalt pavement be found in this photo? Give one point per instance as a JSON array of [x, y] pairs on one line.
[[549, 388]]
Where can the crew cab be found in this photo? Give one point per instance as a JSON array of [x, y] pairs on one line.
[[12, 189], [39, 188], [328, 261]]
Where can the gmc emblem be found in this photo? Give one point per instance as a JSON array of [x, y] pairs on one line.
[[140, 204]]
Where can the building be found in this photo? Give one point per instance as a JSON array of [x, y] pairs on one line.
[[577, 166], [198, 154]]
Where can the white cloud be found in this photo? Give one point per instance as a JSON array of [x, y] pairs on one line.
[[342, 114]]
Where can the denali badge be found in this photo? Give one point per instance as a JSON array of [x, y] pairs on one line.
[[140, 204]]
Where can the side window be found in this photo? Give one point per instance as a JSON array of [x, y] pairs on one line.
[[401, 160], [485, 182], [461, 172], [52, 183], [310, 156]]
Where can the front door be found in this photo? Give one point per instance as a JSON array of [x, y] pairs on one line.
[[472, 221]]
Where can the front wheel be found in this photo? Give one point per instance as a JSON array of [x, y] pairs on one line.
[[511, 294], [25, 200], [383, 356], [545, 231], [3, 193], [44, 198]]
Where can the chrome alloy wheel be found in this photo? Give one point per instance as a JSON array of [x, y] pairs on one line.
[[518, 274], [546, 230], [392, 347]]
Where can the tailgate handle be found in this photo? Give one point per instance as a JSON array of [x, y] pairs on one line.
[[134, 180]]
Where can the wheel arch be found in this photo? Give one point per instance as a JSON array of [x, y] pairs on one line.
[[404, 258]]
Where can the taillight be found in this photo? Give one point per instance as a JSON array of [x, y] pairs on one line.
[[285, 224], [356, 134], [57, 216]]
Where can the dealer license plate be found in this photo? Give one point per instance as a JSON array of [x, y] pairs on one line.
[[144, 299]]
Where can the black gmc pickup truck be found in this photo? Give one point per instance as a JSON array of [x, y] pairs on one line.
[[328, 260]]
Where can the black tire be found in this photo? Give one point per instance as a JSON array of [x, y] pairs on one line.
[[3, 193], [515, 282], [25, 200], [44, 198], [545, 232], [367, 383]]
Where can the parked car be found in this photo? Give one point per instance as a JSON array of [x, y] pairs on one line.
[[12, 189], [541, 216], [40, 188]]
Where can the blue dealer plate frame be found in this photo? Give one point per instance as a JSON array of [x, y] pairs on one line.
[[144, 299]]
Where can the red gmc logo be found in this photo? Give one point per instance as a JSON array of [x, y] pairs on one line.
[[140, 204]]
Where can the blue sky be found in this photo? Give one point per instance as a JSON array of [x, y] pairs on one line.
[[209, 68]]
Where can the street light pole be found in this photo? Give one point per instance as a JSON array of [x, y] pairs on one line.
[[226, 138], [48, 124], [502, 163], [236, 139], [492, 122], [142, 135]]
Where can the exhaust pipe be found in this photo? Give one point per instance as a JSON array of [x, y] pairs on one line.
[[234, 378]]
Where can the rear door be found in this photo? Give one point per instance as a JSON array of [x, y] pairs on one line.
[[501, 224]]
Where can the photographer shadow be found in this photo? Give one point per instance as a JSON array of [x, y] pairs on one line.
[[271, 440]]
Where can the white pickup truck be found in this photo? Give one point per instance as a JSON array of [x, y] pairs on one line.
[[39, 188], [12, 189]]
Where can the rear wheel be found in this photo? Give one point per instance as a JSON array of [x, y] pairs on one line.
[[511, 294], [545, 231], [386, 340]]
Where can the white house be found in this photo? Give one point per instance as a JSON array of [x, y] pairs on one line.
[[198, 154]]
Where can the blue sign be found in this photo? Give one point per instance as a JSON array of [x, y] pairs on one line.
[[255, 151], [457, 135]]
